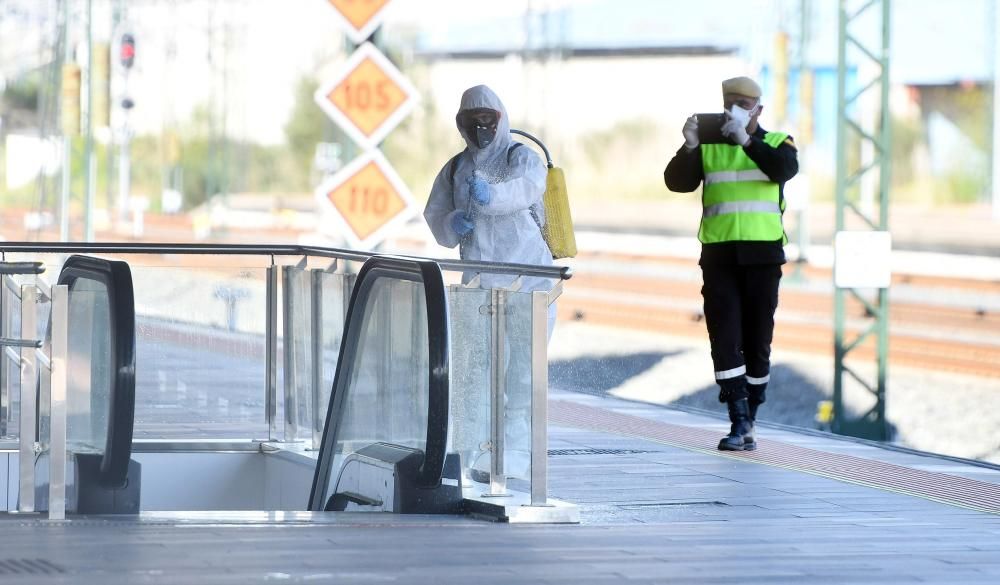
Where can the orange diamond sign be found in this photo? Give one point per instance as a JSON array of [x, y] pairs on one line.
[[360, 17], [369, 98], [368, 199]]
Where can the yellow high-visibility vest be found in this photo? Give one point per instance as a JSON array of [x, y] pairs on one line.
[[739, 201]]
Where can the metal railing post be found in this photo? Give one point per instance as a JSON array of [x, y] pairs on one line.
[[316, 368], [271, 353], [288, 353], [27, 430], [6, 330], [539, 397], [57, 410], [498, 385]]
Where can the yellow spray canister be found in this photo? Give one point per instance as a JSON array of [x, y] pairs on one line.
[[558, 229]]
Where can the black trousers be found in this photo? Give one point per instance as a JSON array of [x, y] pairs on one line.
[[740, 301]]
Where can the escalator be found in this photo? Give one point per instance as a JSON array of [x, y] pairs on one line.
[[385, 439], [101, 477], [405, 430]]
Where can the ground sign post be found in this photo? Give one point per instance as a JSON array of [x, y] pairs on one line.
[[367, 98]]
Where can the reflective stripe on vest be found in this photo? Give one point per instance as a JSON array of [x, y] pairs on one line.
[[735, 176], [741, 207], [740, 202]]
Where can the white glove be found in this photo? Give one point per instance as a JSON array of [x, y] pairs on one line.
[[736, 132], [690, 132]]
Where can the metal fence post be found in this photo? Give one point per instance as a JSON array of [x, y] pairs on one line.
[[57, 410]]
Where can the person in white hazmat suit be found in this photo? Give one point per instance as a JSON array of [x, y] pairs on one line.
[[488, 201]]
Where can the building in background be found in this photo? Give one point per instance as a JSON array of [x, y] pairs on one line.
[[606, 83]]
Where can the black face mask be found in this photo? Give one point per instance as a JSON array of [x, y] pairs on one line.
[[481, 129], [484, 135]]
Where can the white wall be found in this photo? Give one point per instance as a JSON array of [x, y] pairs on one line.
[[204, 481]]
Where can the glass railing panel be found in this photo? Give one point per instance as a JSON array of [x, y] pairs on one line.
[[315, 304], [89, 379], [200, 361], [517, 390], [471, 357], [297, 342], [10, 375], [335, 294], [406, 399], [386, 398]]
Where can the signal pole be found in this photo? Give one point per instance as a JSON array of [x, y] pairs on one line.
[[67, 137], [126, 55], [995, 183], [90, 172]]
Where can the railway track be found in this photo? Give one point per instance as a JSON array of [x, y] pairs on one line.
[[926, 335]]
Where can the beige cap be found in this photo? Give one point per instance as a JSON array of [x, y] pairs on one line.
[[741, 85]]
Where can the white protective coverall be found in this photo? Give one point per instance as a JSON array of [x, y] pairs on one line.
[[505, 229]]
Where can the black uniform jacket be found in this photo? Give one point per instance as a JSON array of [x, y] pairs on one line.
[[685, 173]]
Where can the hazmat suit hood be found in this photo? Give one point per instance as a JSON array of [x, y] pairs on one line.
[[481, 96], [505, 228]]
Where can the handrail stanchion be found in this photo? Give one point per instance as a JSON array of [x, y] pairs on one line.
[[57, 410], [27, 429], [5, 325], [316, 337], [498, 383], [6, 332], [539, 397], [271, 353], [291, 431]]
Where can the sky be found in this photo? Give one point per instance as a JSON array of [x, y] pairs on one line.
[[278, 42]]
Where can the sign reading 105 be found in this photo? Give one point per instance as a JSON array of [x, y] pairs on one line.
[[365, 94]]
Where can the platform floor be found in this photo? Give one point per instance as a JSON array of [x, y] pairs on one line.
[[658, 505]]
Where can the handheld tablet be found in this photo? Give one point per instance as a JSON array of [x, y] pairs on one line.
[[710, 128]]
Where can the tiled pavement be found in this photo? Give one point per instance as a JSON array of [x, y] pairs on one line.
[[653, 513]]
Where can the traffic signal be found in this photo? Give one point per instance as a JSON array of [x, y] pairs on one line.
[[127, 51]]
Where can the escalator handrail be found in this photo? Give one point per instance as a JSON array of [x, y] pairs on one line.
[[553, 272], [117, 278], [429, 274]]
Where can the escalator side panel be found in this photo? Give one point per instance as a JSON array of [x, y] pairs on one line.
[[432, 462], [116, 277]]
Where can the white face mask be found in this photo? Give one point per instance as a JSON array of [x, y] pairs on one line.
[[742, 116]]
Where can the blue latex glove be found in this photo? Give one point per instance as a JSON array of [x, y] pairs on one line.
[[461, 223], [479, 189]]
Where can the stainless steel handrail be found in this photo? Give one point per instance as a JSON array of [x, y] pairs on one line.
[[554, 272]]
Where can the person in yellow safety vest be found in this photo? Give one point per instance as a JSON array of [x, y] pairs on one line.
[[742, 250]]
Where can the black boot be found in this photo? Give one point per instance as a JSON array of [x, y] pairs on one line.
[[739, 415], [749, 440], [756, 398]]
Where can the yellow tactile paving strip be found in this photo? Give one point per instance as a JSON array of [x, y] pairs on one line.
[[940, 487]]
